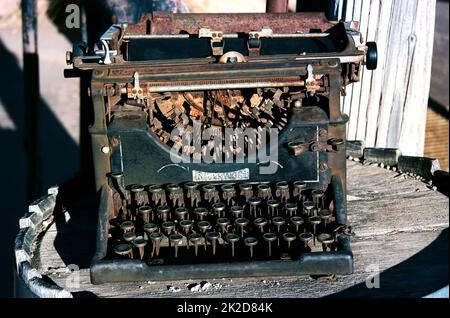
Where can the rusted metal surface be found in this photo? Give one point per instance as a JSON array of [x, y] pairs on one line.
[[167, 23]]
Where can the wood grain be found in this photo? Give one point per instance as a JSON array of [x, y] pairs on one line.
[[401, 231], [388, 107]]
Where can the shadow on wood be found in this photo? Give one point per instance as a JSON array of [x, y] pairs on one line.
[[418, 276]]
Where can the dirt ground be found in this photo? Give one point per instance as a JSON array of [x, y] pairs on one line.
[[59, 109]]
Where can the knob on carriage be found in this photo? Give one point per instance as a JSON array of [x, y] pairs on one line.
[[371, 56]]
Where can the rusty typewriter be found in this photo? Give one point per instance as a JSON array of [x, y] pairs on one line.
[[219, 145]]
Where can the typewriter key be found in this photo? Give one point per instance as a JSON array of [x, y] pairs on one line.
[[250, 242], [269, 238], [124, 250], [176, 240], [163, 212], [200, 213], [326, 240], [145, 212], [156, 239], [128, 236], [264, 191], [218, 209], [190, 185], [168, 227], [318, 197], [192, 194], [137, 188], [246, 190], [237, 211], [213, 237], [158, 195], [343, 229], [173, 187], [140, 244], [228, 193], [305, 238], [195, 238], [297, 221], [314, 220], [138, 192], [289, 237], [223, 223], [260, 223], [273, 206], [254, 202], [308, 206], [325, 215], [278, 221], [119, 183], [232, 239], [282, 191], [149, 228], [204, 226], [210, 192], [291, 208], [175, 194], [299, 187], [182, 213], [186, 225], [241, 224], [127, 226]]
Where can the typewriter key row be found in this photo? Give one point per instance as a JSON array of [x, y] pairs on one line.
[[212, 239], [192, 194], [188, 233]]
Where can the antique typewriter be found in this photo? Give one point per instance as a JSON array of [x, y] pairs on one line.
[[219, 145]]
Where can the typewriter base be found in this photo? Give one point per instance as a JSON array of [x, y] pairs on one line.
[[309, 264], [315, 263]]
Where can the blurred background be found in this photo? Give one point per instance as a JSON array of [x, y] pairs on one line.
[[59, 106]]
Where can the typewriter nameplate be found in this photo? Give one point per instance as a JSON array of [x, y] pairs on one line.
[[202, 176]]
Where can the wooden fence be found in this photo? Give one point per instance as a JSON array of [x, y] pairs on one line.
[[388, 107]]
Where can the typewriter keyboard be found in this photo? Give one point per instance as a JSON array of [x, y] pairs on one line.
[[196, 223]]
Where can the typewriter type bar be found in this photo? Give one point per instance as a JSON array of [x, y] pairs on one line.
[[171, 209]]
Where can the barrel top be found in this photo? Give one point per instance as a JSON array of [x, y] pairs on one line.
[[401, 227]]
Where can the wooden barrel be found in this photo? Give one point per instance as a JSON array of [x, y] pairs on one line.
[[397, 211]]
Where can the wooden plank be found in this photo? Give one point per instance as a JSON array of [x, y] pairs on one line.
[[347, 15], [371, 11], [394, 77], [358, 106], [400, 225], [356, 87], [373, 108], [407, 42], [387, 108], [416, 101], [400, 82]]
